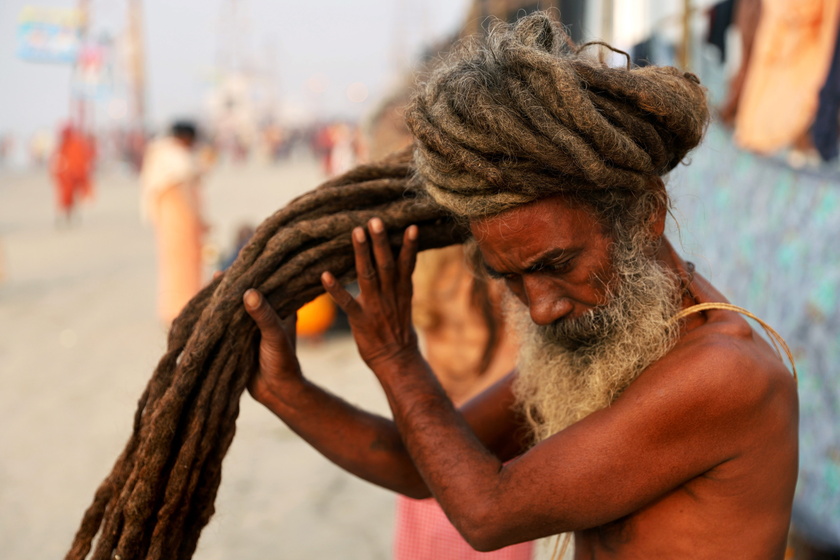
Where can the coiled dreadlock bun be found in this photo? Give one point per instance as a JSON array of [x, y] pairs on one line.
[[524, 116]]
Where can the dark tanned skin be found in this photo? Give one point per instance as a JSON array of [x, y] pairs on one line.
[[697, 459]]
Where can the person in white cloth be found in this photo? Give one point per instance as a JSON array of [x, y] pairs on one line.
[[171, 201]]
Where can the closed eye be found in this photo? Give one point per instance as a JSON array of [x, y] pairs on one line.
[[496, 275], [559, 266]]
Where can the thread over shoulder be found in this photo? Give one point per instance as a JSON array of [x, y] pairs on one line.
[[527, 114]]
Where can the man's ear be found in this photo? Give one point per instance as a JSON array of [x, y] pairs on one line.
[[657, 224]]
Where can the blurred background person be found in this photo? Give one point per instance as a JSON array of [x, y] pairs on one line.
[[71, 168], [7, 145], [40, 146], [458, 314], [171, 201]]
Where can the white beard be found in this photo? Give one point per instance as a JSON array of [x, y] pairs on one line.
[[573, 368]]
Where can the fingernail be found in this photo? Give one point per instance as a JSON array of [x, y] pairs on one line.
[[376, 225], [327, 279], [359, 234], [412, 232], [252, 299]]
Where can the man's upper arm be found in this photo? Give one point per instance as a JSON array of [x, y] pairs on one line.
[[677, 421], [493, 418]]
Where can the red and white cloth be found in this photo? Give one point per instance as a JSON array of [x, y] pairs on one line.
[[424, 533]]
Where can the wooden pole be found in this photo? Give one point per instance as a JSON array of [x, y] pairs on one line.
[[78, 103], [685, 50], [607, 18], [137, 64]]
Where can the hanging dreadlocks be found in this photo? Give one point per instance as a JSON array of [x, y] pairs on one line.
[[160, 492], [501, 125]]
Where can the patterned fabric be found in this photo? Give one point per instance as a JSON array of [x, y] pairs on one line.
[[768, 237], [424, 533]]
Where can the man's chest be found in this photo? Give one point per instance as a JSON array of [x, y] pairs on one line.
[[687, 523]]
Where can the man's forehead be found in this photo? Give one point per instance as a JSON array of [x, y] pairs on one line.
[[531, 233], [547, 215]]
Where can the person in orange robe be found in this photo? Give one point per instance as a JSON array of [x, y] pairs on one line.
[[71, 169], [170, 181]]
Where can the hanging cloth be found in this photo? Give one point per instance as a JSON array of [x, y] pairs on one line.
[[720, 18], [793, 50], [747, 16], [826, 129]]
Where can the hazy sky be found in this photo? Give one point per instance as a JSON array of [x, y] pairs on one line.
[[341, 41]]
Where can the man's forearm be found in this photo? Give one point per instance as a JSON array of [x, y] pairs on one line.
[[458, 469], [367, 445]]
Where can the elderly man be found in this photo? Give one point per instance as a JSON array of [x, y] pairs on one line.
[[648, 427]]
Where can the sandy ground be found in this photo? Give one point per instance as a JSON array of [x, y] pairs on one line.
[[78, 341]]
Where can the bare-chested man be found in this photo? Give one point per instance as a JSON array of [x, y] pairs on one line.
[[646, 433]]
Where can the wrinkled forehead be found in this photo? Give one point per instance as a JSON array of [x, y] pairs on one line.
[[557, 215], [536, 228]]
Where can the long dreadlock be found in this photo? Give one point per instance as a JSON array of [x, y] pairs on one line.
[[160, 493]]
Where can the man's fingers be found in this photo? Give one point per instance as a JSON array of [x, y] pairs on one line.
[[408, 251], [289, 325], [267, 320], [382, 253], [340, 295], [406, 261], [365, 272]]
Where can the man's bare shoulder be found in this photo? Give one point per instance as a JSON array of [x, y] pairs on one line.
[[729, 351], [720, 349], [729, 372]]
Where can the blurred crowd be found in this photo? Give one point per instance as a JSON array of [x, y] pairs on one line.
[[337, 144]]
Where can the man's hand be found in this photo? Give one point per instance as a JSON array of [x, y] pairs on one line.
[[381, 316], [278, 363]]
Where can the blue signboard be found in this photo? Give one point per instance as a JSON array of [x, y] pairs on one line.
[[49, 34]]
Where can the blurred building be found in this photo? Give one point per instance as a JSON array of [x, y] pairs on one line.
[[571, 12]]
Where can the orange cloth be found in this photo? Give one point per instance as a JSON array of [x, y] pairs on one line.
[[66, 189], [171, 201], [315, 317], [71, 167], [178, 229], [789, 64]]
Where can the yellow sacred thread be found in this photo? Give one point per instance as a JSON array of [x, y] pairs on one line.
[[775, 338]]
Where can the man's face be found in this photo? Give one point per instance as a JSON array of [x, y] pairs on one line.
[[595, 311], [556, 258]]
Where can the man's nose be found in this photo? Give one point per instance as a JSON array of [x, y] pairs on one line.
[[546, 302]]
